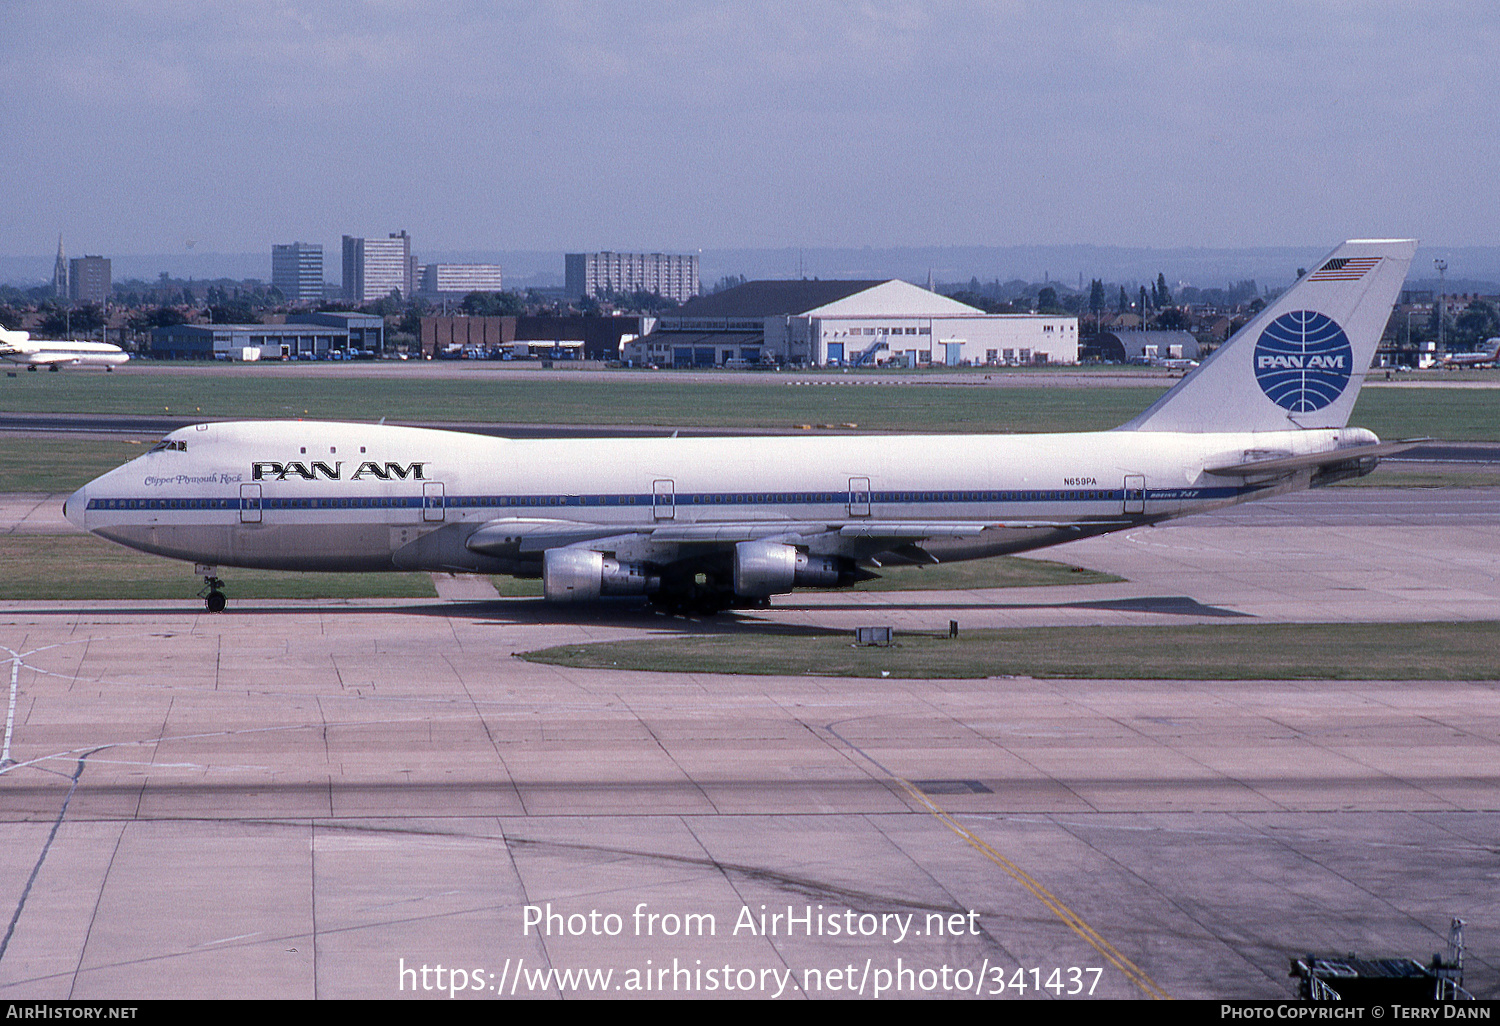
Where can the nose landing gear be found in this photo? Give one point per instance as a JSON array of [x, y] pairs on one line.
[[213, 589]]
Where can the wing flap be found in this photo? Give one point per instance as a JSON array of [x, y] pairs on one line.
[[499, 537], [714, 533], [532, 535], [903, 529]]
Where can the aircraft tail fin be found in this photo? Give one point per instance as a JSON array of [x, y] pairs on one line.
[[1300, 363]]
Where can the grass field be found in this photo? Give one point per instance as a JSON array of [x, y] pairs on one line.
[[999, 572], [85, 567], [1408, 651], [589, 399], [626, 399], [82, 567], [59, 465], [1393, 475]]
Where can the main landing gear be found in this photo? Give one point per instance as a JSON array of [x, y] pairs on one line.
[[213, 589], [698, 600]]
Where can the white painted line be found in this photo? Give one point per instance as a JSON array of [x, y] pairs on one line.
[[10, 713]]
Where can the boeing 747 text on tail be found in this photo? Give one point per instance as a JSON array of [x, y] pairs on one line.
[[703, 524]]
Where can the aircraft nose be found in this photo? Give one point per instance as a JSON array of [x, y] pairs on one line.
[[76, 506]]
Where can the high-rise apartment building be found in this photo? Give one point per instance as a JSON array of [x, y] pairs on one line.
[[668, 275], [297, 271], [460, 279], [89, 279], [373, 268]]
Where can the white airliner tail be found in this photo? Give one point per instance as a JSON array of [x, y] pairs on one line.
[[1301, 361]]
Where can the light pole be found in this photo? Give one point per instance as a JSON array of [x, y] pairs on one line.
[[1442, 270]]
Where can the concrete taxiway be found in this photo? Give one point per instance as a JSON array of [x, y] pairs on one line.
[[320, 799]]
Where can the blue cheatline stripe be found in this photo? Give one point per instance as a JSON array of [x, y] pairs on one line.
[[523, 502]]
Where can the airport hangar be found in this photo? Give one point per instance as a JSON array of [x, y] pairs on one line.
[[303, 336], [845, 323], [1139, 346]]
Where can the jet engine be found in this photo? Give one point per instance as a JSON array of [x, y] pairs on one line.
[[769, 568], [580, 575]]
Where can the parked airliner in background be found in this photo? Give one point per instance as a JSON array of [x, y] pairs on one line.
[[20, 348], [703, 524], [1484, 357]]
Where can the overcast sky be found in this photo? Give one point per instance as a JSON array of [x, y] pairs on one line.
[[133, 126]]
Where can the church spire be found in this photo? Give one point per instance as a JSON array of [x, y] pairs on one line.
[[60, 271]]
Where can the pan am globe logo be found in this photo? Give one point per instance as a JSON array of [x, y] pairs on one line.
[[1303, 361]]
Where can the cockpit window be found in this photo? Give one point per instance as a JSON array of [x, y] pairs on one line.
[[169, 445]]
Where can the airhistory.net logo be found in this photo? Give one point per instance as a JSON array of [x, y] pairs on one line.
[[1303, 361]]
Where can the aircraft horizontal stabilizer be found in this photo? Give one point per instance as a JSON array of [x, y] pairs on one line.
[[1289, 464]]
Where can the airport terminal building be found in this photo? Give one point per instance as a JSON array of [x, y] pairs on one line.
[[848, 323]]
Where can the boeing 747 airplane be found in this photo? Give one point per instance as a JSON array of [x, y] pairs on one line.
[[703, 524], [20, 348]]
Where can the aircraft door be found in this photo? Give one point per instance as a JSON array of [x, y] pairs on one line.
[[663, 500], [1135, 493], [859, 496], [249, 503], [433, 501]]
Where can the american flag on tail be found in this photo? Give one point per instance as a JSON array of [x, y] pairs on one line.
[[1344, 269]]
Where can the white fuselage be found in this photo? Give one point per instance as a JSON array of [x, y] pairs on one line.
[[306, 495], [19, 348], [1471, 360]]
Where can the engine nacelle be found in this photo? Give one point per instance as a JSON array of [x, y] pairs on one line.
[[580, 575], [771, 568]]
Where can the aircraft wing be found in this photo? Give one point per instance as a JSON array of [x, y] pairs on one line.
[[532, 535], [1256, 466], [900, 531], [906, 530]]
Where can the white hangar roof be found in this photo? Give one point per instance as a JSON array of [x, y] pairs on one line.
[[893, 298], [803, 298]]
